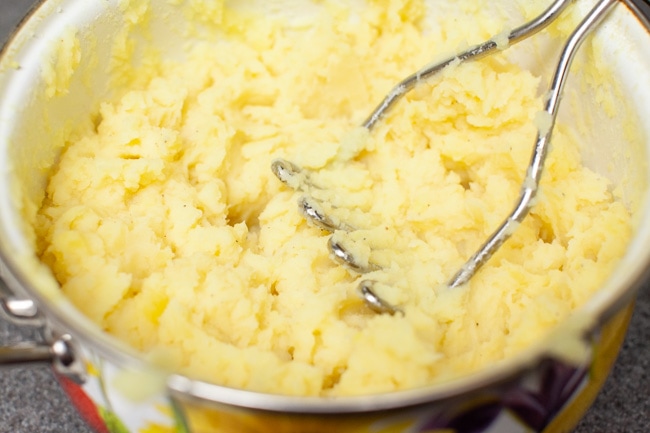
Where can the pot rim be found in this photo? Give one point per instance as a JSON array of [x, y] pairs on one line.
[[64, 316]]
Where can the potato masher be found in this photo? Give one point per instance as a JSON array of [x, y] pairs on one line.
[[298, 179]]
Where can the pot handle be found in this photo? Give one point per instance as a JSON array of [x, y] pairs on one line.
[[58, 350], [22, 313]]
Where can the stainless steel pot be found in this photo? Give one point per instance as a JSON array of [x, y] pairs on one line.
[[543, 389]]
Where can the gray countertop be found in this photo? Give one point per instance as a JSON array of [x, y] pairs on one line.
[[31, 401]]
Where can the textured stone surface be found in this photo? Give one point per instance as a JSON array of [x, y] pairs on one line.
[[32, 402]]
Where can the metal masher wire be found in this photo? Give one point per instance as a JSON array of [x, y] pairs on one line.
[[298, 179]]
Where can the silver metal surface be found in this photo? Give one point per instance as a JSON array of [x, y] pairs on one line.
[[48, 347], [347, 259], [488, 47], [536, 166], [374, 302], [20, 312]]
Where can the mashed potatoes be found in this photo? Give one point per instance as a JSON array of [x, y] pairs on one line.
[[167, 227]]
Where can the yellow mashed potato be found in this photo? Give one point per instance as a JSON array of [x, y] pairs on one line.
[[167, 227]]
